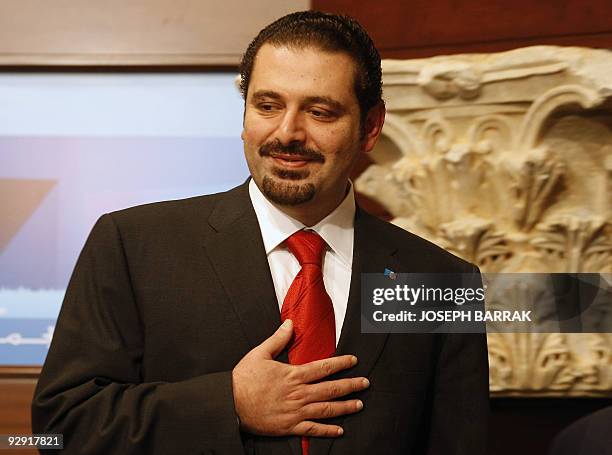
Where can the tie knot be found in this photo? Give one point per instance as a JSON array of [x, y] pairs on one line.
[[307, 247]]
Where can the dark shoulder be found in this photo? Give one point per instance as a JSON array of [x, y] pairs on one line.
[[166, 212], [177, 220], [414, 249]]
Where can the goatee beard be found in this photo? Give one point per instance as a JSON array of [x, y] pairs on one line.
[[287, 193]]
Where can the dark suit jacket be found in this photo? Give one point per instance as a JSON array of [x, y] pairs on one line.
[[165, 300]]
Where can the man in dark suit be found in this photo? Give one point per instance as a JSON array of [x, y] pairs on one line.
[[168, 340]]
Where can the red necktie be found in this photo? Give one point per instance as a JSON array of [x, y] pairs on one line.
[[309, 306]]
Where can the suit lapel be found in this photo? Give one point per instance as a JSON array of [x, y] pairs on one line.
[[237, 254], [370, 255]]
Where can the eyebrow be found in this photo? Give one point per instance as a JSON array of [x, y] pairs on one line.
[[330, 102], [266, 94]]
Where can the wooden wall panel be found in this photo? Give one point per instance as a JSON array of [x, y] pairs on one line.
[[15, 400], [15, 404], [422, 28]]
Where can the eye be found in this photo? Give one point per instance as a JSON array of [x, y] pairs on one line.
[[321, 114], [268, 108]]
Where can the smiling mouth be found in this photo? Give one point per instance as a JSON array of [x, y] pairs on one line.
[[292, 161]]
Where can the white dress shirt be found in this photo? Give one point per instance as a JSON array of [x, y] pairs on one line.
[[337, 229]]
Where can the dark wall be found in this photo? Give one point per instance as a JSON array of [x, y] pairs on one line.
[[527, 426]]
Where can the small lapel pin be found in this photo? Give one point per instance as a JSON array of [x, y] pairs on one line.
[[390, 273]]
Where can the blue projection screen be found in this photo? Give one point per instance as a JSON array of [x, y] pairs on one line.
[[75, 146]]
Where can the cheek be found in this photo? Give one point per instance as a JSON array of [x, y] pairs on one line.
[[248, 138], [328, 139], [249, 131], [256, 129], [337, 143]]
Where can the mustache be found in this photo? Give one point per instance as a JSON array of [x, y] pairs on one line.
[[293, 148]]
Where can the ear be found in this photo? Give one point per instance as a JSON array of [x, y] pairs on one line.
[[374, 122]]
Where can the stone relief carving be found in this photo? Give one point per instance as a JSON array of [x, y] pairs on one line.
[[506, 160]]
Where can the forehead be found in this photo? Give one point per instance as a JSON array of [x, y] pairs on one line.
[[307, 71]]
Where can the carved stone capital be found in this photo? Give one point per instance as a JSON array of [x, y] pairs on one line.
[[506, 160]]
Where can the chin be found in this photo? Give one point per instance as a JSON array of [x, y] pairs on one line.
[[287, 192]]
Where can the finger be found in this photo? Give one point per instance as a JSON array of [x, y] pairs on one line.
[[319, 369], [330, 409], [328, 390], [273, 346], [308, 428]]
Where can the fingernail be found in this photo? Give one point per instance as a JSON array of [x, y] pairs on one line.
[[359, 405], [286, 324], [366, 383], [354, 360], [340, 431]]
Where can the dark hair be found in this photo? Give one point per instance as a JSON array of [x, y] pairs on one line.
[[328, 32]]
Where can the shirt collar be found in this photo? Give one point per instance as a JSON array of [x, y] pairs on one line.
[[336, 229]]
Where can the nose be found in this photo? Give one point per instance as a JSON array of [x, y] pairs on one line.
[[291, 128]]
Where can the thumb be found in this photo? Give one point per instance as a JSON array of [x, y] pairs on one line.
[[272, 346]]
